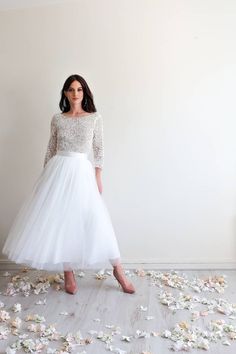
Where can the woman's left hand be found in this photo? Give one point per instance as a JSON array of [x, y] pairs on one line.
[[99, 179]]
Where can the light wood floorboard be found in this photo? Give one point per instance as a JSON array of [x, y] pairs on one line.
[[104, 299]]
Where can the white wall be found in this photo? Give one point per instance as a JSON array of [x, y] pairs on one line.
[[163, 74]]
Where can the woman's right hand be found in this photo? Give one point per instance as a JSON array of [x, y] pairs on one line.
[[99, 179]]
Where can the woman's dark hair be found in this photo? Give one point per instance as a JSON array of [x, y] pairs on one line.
[[87, 102]]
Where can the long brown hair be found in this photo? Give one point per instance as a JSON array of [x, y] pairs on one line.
[[87, 102]]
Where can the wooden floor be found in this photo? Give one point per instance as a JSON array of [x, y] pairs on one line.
[[104, 300]]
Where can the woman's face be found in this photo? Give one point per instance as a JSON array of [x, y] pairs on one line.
[[75, 93]]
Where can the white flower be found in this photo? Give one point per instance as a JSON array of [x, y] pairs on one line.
[[4, 331], [226, 342], [97, 320], [104, 337], [16, 307], [143, 308], [33, 327], [41, 302], [142, 334], [35, 317], [166, 334], [126, 338], [4, 316], [148, 318], [81, 274], [116, 350], [16, 323]]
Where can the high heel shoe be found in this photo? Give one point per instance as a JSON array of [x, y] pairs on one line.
[[70, 287], [127, 288]]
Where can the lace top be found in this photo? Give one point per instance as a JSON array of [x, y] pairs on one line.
[[79, 134]]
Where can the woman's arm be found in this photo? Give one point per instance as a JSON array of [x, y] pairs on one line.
[[98, 150], [99, 178], [52, 144]]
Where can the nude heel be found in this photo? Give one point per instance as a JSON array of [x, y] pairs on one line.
[[127, 288], [70, 288]]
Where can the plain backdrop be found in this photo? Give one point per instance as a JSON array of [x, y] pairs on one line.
[[163, 76]]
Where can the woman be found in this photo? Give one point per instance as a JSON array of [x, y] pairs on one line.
[[64, 223]]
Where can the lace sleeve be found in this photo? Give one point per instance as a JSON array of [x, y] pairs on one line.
[[52, 144], [98, 148]]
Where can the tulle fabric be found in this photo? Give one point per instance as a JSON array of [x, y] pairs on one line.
[[64, 223]]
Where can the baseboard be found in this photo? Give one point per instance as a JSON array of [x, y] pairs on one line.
[[147, 264], [180, 265]]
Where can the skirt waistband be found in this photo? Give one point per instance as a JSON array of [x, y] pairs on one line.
[[72, 153]]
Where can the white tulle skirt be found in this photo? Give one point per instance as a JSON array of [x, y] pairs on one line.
[[64, 223]]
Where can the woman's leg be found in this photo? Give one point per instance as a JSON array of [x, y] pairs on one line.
[[119, 274], [70, 282]]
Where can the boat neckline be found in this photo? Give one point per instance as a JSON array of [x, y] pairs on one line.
[[76, 117]]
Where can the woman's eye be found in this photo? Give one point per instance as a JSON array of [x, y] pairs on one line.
[[70, 89]]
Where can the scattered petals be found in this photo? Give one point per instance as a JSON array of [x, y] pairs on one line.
[[105, 337], [116, 350], [140, 272], [35, 317], [100, 275], [142, 334], [148, 318], [4, 331], [16, 307], [4, 316], [126, 338], [41, 302], [81, 274], [97, 320], [142, 308], [184, 335], [16, 322], [226, 342]]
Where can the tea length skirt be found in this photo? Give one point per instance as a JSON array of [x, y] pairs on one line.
[[64, 223]]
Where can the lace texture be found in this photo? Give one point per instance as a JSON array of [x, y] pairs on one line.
[[79, 134]]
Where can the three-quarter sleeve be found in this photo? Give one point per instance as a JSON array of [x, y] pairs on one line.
[[98, 143], [52, 144]]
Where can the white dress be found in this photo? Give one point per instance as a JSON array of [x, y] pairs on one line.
[[64, 223]]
